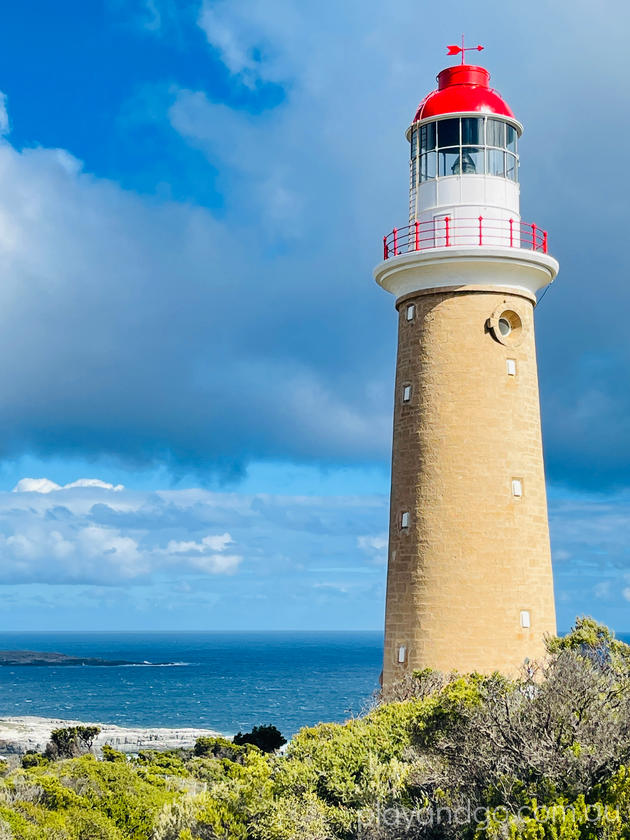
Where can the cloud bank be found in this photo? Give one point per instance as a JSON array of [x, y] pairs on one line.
[[89, 532], [204, 560], [208, 335], [194, 558]]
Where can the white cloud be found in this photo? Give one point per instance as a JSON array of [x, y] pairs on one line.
[[626, 593], [205, 555], [93, 482], [342, 588], [217, 564], [251, 42], [45, 485], [109, 545], [35, 485], [209, 543], [70, 552], [5, 126], [235, 50]]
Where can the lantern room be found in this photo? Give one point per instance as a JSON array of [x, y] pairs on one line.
[[465, 227], [464, 151]]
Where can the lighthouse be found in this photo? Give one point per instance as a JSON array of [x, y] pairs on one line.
[[469, 579]]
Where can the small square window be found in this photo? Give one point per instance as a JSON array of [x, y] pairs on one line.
[[404, 519], [517, 487], [402, 654], [511, 367], [411, 311], [525, 619], [406, 393]]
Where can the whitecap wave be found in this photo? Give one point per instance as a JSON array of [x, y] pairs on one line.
[[156, 665]]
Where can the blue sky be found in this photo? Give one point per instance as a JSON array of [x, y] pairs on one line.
[[193, 195]]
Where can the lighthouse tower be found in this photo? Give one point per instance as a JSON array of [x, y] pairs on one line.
[[469, 582]]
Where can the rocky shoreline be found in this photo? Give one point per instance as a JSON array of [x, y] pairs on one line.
[[19, 734]]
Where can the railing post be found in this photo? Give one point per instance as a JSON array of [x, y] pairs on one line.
[[533, 236], [544, 241], [446, 224], [511, 233], [395, 242], [480, 230], [417, 227]]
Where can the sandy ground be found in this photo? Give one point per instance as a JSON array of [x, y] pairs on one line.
[[19, 734]]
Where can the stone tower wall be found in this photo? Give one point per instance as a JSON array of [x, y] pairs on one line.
[[474, 556]]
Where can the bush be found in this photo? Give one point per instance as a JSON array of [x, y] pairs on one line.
[[266, 738], [218, 748], [31, 758], [110, 754], [70, 742]]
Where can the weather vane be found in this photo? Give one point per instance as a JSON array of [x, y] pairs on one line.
[[455, 49]]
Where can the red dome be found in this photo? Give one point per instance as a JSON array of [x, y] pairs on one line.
[[462, 88]]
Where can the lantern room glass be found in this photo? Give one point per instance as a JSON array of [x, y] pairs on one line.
[[449, 162], [473, 161], [448, 133], [465, 146], [495, 133], [472, 131], [427, 137]]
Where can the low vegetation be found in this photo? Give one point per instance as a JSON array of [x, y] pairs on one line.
[[266, 738], [542, 757]]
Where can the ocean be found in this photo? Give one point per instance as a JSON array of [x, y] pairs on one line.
[[223, 681]]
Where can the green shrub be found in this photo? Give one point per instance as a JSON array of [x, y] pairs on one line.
[[31, 758], [70, 741], [218, 748], [110, 754], [266, 738]]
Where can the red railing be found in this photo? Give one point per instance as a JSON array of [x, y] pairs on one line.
[[446, 232]]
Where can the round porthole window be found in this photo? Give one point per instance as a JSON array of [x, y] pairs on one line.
[[506, 326]]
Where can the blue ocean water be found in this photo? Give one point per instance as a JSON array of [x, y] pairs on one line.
[[224, 681]]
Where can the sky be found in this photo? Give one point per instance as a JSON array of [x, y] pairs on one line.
[[196, 392]]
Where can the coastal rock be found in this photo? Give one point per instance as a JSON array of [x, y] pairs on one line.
[[19, 734], [35, 657]]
